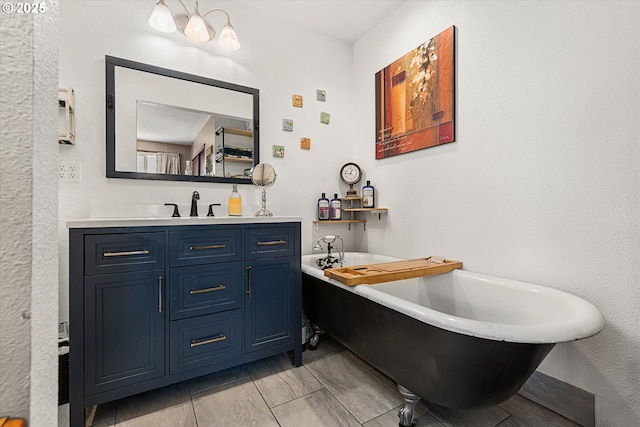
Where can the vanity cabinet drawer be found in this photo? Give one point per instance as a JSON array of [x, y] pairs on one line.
[[268, 242], [205, 289], [116, 253], [201, 342], [200, 247]]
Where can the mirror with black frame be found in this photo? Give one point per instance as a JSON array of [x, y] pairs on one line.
[[168, 125]]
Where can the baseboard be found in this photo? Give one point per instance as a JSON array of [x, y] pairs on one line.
[[565, 399]]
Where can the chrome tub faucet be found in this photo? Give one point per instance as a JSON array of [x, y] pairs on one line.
[[330, 260]]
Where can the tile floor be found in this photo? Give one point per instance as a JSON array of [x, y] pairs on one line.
[[333, 388]]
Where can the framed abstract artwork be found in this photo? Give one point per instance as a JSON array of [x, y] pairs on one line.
[[415, 98]]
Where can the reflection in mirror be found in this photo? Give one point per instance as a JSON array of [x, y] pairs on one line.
[[163, 124], [175, 140]]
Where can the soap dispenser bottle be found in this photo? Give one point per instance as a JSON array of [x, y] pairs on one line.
[[368, 196], [323, 208], [235, 202], [335, 208]]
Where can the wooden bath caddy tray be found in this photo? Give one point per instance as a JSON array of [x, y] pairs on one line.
[[371, 274]]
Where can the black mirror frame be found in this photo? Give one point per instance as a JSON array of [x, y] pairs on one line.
[[111, 172]]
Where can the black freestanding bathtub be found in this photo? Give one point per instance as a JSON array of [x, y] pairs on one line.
[[459, 340]]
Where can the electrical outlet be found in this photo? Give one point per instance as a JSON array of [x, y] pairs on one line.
[[70, 171], [62, 171]]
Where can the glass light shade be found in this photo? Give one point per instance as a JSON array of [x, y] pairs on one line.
[[229, 38], [161, 18], [196, 29]]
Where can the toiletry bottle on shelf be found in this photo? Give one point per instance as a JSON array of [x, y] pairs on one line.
[[323, 208], [187, 167], [368, 196], [335, 208], [235, 202]]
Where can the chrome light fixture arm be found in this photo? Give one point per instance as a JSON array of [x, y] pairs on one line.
[[218, 10], [185, 8]]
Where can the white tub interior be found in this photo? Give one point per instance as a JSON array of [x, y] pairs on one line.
[[476, 298], [478, 305]]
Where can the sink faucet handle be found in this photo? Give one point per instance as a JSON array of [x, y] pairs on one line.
[[176, 213], [210, 213]]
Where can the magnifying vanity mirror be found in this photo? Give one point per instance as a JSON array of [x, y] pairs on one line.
[[263, 175], [168, 125]]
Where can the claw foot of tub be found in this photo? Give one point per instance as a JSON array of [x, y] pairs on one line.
[[407, 410], [313, 342]]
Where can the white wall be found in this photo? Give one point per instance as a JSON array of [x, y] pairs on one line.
[[276, 57], [543, 181], [28, 208]]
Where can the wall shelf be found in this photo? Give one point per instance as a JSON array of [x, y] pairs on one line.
[[240, 132], [237, 159], [341, 221], [353, 210], [372, 211], [236, 146]]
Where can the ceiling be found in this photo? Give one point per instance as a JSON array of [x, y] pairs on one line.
[[346, 20]]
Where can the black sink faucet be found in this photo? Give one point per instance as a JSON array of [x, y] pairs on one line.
[[194, 203]]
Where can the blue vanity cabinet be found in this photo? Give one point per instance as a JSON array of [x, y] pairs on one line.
[[154, 305], [272, 268]]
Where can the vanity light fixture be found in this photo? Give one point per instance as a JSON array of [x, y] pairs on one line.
[[193, 25]]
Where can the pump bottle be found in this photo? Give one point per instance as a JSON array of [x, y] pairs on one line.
[[368, 196], [335, 208], [235, 202], [323, 208]]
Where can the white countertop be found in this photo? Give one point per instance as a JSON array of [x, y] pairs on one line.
[[185, 220]]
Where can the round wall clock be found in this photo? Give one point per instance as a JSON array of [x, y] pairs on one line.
[[351, 174]]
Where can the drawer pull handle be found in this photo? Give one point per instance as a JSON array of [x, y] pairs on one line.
[[127, 253], [272, 243], [205, 247], [220, 337], [202, 291]]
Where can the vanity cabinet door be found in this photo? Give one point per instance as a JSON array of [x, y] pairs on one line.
[[124, 329], [269, 303]]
